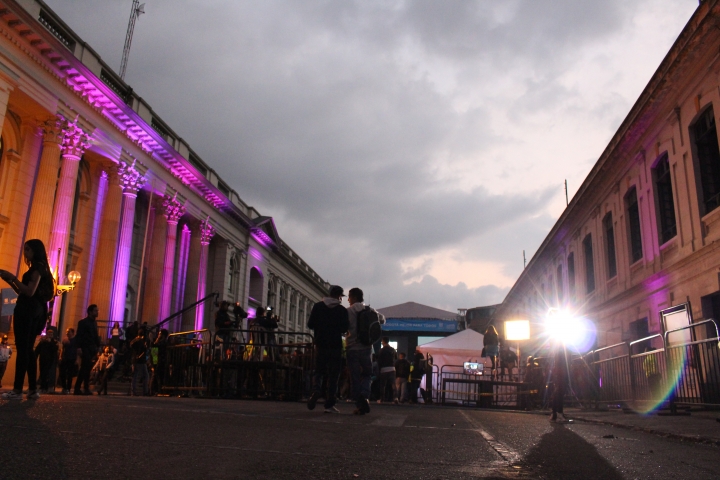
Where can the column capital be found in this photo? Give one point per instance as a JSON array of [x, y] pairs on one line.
[[130, 178], [75, 140], [172, 209], [52, 130], [206, 233]]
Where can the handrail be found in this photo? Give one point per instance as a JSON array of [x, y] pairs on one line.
[[687, 327], [180, 312], [657, 335]]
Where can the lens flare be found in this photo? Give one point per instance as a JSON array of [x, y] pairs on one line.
[[577, 333], [662, 382]]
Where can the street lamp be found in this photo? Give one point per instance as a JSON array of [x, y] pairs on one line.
[[73, 278]]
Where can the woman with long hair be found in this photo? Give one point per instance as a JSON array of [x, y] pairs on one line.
[[491, 344], [30, 314]]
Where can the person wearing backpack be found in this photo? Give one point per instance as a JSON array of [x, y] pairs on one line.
[[34, 292], [328, 321], [364, 330]]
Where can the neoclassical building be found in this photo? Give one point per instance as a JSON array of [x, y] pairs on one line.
[[115, 194], [643, 231]]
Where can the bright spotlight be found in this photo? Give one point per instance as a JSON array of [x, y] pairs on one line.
[[576, 332], [517, 330]]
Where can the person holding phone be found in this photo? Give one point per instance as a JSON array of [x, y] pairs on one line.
[[30, 315]]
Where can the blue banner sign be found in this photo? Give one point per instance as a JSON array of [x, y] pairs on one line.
[[420, 325]]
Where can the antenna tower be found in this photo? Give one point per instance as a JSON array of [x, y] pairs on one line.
[[137, 10]]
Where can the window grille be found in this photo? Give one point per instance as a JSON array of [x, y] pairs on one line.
[[589, 264], [610, 245], [708, 159], [633, 215], [665, 202]]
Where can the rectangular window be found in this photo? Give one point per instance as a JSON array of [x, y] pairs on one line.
[[704, 135], [664, 200], [560, 289], [633, 215], [571, 274], [589, 265], [551, 287], [610, 245]]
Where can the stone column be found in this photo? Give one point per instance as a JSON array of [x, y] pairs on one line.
[[5, 89], [192, 277], [41, 211], [89, 280], [181, 275], [104, 266], [155, 261], [206, 234], [131, 180], [173, 210]]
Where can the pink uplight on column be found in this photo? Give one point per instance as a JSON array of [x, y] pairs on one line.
[[131, 180], [92, 254], [181, 273], [173, 210], [206, 234], [75, 141]]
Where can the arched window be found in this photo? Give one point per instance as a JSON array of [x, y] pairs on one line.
[[256, 285], [293, 310], [271, 293]]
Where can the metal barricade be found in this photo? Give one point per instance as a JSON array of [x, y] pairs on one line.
[[455, 386], [187, 364], [693, 368], [612, 373], [251, 364], [649, 369]]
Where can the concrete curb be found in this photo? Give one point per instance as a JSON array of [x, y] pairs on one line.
[[661, 433]]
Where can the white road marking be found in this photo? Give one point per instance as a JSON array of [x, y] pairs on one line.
[[507, 453]]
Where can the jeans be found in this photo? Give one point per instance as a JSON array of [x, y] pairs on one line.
[[401, 389], [360, 364], [140, 373], [67, 369], [327, 364], [26, 362], [86, 365], [385, 379]]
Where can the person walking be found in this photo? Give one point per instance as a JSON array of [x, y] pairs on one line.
[[5, 354], [139, 347], [328, 321], [115, 333], [103, 368], [87, 342], [68, 361], [417, 370], [358, 354], [386, 363], [559, 376], [30, 316], [491, 346], [402, 373], [161, 344]]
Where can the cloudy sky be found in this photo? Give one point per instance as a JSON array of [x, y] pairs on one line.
[[412, 148]]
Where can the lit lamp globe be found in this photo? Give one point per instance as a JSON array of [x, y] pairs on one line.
[[74, 277]]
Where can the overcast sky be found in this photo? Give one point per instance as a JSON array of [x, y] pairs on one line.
[[411, 148]]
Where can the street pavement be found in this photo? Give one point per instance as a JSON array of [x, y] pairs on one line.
[[118, 436]]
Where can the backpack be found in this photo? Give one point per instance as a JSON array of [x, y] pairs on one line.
[[368, 326]]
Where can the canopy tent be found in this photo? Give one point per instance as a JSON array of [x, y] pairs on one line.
[[464, 346]]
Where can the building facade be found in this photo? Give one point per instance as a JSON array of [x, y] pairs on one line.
[[642, 233], [115, 194]]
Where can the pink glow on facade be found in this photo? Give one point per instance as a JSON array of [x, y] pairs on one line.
[[97, 219], [132, 181], [262, 238], [256, 254], [206, 234], [173, 210], [184, 253]]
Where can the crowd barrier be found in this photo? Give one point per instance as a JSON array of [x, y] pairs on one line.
[[251, 364], [451, 385], [187, 367], [654, 371]]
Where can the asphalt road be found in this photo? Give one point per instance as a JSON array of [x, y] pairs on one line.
[[130, 437]]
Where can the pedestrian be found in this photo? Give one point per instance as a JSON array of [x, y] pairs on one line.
[[30, 316], [386, 363], [491, 342], [223, 326], [103, 369], [329, 322], [47, 353], [559, 376], [115, 333], [402, 372], [5, 354], [358, 353], [417, 370], [508, 361], [131, 332], [161, 344], [87, 342], [139, 347], [534, 383], [68, 361]]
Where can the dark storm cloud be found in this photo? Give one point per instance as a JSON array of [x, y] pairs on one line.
[[347, 119]]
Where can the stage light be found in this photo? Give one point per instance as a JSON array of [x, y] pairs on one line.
[[516, 330]]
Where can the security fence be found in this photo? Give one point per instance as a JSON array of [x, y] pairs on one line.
[[676, 368], [452, 385], [187, 365]]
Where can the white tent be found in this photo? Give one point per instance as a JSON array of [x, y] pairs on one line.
[[464, 346]]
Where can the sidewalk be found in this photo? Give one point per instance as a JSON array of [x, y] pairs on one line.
[[700, 426]]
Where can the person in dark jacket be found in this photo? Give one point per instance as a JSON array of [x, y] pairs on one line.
[[139, 347], [402, 373], [417, 370], [87, 342], [328, 321], [386, 365], [491, 345], [47, 352], [68, 360], [559, 377]]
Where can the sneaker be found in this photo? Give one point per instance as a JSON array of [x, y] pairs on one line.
[[33, 396], [11, 395], [312, 401], [553, 418], [363, 405], [331, 410]]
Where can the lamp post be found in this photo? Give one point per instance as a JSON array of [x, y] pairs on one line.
[[73, 277], [517, 330]]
